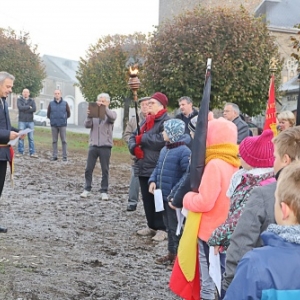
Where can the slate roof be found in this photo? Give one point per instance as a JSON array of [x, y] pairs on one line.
[[61, 68], [280, 13]]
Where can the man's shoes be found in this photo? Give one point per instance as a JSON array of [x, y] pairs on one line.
[[19, 155], [160, 236], [146, 231], [34, 155], [53, 158], [84, 194], [104, 196], [3, 230], [131, 207], [166, 260], [65, 159]]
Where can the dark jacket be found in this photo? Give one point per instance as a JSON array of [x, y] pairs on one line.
[[242, 127], [186, 120], [26, 109], [171, 165], [182, 187], [270, 272], [152, 142], [5, 129], [58, 113], [257, 216]]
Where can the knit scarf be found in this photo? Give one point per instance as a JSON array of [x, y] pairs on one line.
[[227, 152], [150, 121]]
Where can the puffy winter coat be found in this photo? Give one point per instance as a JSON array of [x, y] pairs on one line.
[[172, 164]]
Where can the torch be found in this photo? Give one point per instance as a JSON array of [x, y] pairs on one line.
[[134, 84]]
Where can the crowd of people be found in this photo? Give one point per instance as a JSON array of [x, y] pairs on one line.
[[236, 196], [248, 196]]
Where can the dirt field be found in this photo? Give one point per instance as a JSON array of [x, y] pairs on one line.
[[60, 246]]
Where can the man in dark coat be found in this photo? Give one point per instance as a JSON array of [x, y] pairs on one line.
[[232, 113], [7, 132], [187, 112]]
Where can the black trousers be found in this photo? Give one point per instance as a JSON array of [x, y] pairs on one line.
[[154, 219], [3, 167]]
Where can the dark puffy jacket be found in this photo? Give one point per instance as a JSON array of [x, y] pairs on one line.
[[152, 142], [26, 109], [171, 165]]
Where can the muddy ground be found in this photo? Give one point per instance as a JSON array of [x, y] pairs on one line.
[[60, 246]]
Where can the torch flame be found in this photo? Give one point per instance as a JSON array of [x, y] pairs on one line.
[[133, 71]]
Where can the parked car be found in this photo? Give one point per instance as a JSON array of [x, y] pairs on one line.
[[40, 118], [254, 128]]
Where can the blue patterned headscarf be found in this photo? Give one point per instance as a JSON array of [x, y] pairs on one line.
[[174, 128]]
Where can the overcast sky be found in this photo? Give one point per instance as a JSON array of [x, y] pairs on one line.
[[67, 28]]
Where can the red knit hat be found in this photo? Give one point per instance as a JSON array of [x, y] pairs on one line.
[[258, 151], [160, 97]]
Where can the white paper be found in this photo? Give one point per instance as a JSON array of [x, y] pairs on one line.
[[215, 268], [158, 200], [184, 212], [180, 219], [20, 133]]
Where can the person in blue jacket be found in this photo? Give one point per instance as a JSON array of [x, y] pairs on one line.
[[273, 271], [171, 166]]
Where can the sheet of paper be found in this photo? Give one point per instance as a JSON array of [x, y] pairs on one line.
[[180, 219], [158, 200], [20, 133], [184, 211], [215, 268]]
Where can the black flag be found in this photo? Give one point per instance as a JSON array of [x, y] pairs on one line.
[[199, 142]]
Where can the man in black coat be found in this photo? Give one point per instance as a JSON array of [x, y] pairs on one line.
[[7, 132], [232, 113]]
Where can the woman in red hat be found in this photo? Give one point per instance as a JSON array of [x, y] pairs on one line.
[[146, 147]]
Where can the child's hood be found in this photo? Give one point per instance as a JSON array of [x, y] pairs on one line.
[[221, 131]]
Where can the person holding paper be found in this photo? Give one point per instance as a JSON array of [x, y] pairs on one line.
[[7, 132], [221, 163], [101, 142], [58, 112], [26, 107], [171, 165]]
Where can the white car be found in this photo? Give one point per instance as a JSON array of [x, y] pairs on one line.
[[40, 118]]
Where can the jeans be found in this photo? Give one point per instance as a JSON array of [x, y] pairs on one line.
[[63, 136], [104, 157], [207, 285], [134, 188], [170, 220], [22, 126]]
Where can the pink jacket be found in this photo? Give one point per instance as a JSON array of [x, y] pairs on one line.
[[211, 199]]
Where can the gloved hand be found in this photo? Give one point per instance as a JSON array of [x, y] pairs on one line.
[[138, 139], [138, 152]]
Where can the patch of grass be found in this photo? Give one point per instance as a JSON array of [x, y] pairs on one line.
[[76, 141]]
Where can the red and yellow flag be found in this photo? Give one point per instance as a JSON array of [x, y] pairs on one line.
[[270, 122], [185, 277]]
